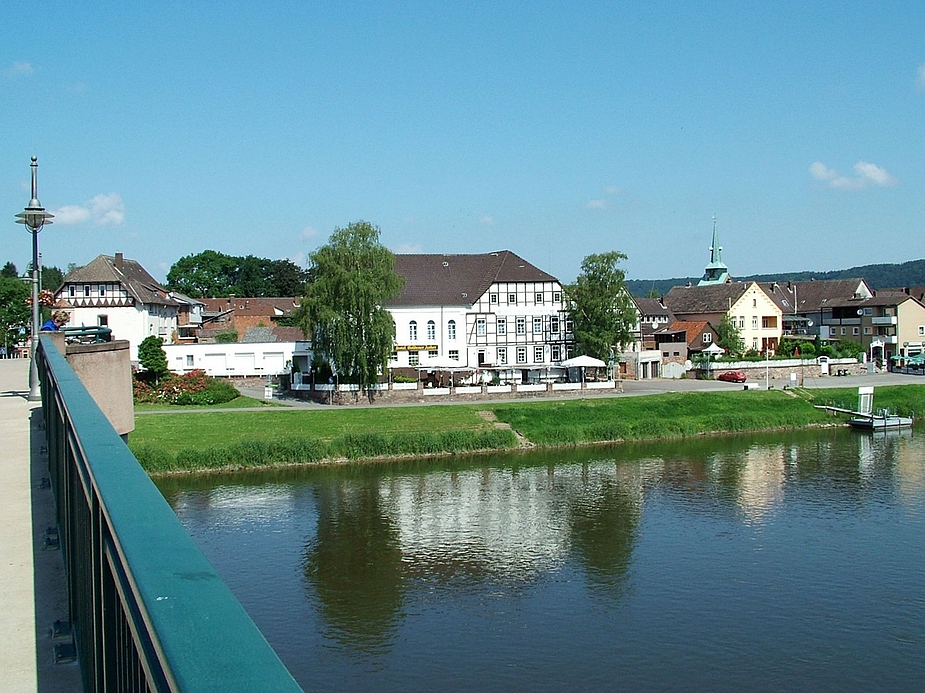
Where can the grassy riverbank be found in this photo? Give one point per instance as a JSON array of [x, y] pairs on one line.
[[203, 440]]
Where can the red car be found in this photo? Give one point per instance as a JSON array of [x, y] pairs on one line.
[[733, 376]]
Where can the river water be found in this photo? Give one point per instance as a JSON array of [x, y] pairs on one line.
[[762, 563]]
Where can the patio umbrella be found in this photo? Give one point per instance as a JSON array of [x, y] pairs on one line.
[[583, 361]]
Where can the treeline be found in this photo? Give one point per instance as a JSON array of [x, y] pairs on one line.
[[880, 276], [211, 274]]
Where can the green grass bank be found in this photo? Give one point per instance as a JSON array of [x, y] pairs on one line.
[[201, 440]]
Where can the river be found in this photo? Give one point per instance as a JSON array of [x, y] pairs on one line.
[[757, 563]]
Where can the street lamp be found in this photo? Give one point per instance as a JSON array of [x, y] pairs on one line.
[[34, 217]]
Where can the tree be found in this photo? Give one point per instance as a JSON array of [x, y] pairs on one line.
[[52, 278], [209, 273], [602, 311], [152, 358], [9, 271], [729, 337], [288, 278], [15, 313], [354, 276]]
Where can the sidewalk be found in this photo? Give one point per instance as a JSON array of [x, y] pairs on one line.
[[32, 587]]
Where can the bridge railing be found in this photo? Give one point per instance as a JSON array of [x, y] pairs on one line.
[[148, 612]]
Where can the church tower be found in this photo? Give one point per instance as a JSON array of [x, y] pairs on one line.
[[716, 272]]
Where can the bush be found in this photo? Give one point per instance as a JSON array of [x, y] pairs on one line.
[[193, 388]]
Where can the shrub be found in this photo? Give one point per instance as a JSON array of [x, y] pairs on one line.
[[194, 387]]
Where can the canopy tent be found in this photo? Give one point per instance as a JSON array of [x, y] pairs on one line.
[[714, 350], [583, 361], [441, 363]]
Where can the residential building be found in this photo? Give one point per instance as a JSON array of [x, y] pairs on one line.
[[478, 311], [886, 324], [118, 293], [653, 317], [241, 315], [813, 308], [756, 314]]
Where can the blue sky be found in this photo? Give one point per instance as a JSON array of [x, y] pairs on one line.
[[164, 129]]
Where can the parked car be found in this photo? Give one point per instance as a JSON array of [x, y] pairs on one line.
[[733, 376]]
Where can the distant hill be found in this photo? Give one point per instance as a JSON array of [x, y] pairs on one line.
[[883, 276]]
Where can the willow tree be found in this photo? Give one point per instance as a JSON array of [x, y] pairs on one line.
[[353, 276], [601, 309]]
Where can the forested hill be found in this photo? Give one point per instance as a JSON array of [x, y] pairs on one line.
[[882, 276]]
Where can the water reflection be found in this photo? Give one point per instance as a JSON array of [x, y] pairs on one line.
[[459, 568]]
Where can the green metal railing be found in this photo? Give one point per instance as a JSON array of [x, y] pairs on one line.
[[147, 610]]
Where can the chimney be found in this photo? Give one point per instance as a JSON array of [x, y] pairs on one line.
[[119, 261]]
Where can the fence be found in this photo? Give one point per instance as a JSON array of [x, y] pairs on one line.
[[147, 610]]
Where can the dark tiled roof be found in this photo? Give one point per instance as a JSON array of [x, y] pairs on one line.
[[252, 306], [816, 296], [715, 298], [453, 280], [140, 285], [651, 307], [881, 299]]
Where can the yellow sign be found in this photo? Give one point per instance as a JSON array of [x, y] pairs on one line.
[[415, 347]]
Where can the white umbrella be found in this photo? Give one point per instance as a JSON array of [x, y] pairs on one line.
[[714, 349], [585, 361]]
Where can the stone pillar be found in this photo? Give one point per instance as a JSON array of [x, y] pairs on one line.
[[106, 371]]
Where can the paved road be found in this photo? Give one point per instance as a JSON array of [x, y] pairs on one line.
[[630, 388]]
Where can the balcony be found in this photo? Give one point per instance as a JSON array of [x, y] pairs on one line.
[[841, 321], [885, 320]]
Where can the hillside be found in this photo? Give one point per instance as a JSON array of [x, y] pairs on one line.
[[882, 276]]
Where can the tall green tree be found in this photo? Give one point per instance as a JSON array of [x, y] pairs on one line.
[[52, 278], [9, 271], [729, 337], [15, 313], [602, 311], [216, 275], [152, 358], [354, 276]]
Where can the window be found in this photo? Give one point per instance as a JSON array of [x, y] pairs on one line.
[[755, 344], [431, 331], [502, 355], [537, 325], [538, 354], [87, 290], [432, 353], [189, 361], [769, 322], [102, 289], [843, 331], [868, 311], [538, 298], [741, 322], [512, 299], [554, 324], [480, 327], [413, 331], [707, 337], [754, 303], [451, 330], [102, 320], [922, 329], [854, 330], [72, 291], [754, 322], [413, 358], [555, 352], [521, 326], [501, 325], [866, 330], [568, 326], [521, 354], [556, 297], [492, 298], [453, 354]]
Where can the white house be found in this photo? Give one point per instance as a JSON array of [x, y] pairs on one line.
[[236, 359], [478, 310], [118, 293]]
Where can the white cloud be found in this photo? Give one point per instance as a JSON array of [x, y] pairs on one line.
[[866, 174], [874, 173], [299, 259], [105, 209], [612, 190], [18, 70], [487, 220], [920, 82], [597, 204], [308, 232]]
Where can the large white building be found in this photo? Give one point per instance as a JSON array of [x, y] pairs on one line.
[[478, 310], [114, 292]]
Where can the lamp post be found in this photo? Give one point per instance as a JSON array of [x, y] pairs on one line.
[[34, 217]]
